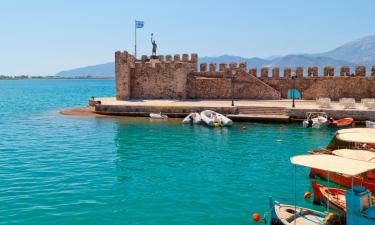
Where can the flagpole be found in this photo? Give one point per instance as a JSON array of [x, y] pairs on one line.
[[135, 39]]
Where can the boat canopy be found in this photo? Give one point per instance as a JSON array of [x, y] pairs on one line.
[[356, 130], [358, 135], [356, 154], [333, 164]]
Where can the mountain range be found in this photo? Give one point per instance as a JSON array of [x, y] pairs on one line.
[[357, 52]]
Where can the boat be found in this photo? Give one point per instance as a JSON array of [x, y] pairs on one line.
[[344, 122], [367, 179], [335, 196], [192, 118], [370, 124], [215, 119], [359, 207], [353, 138], [315, 120], [158, 116], [290, 214]]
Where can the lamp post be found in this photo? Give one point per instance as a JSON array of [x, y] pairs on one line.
[[293, 89], [231, 85]]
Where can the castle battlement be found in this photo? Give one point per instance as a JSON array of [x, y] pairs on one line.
[[178, 77]]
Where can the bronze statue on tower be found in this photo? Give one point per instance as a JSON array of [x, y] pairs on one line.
[[154, 46]]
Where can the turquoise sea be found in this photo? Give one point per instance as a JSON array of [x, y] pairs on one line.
[[58, 169]]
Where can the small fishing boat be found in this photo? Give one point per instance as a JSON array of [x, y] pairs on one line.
[[335, 196], [367, 179], [215, 119], [370, 124], [315, 120], [344, 122], [158, 116], [283, 214], [359, 207], [192, 118]]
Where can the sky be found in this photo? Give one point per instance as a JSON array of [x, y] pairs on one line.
[[43, 37]]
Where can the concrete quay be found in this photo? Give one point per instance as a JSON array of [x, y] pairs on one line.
[[243, 110]]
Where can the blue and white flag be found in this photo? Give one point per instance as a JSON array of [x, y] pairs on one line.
[[139, 24]]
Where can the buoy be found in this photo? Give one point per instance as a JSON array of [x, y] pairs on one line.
[[244, 128], [256, 217], [307, 195]]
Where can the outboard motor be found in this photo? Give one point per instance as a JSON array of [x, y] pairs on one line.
[[360, 210]]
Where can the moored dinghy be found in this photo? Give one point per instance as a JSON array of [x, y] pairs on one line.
[[158, 116], [215, 119], [370, 124], [192, 118], [344, 122]]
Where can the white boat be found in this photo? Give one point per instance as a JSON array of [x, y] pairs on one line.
[[370, 124], [158, 116], [290, 215], [315, 120], [215, 119], [192, 118]]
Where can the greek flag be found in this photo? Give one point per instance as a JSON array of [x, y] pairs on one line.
[[139, 24]]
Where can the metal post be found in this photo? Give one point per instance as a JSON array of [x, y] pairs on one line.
[[135, 39], [293, 89], [231, 89]]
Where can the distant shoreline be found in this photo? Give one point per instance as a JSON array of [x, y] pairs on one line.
[[58, 78]]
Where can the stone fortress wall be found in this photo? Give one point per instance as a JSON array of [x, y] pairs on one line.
[[177, 77]]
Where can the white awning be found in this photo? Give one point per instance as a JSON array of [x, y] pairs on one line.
[[356, 154], [333, 163], [365, 136], [356, 130]]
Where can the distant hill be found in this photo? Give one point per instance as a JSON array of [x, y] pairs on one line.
[[107, 69], [358, 52]]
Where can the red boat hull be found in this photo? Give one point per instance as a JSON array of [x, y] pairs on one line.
[[346, 181], [345, 122]]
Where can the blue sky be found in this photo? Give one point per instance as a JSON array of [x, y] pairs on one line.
[[44, 36]]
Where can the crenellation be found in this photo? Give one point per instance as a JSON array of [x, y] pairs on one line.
[[185, 57], [276, 72], [194, 57], [299, 72], [287, 72], [176, 58], [168, 58], [328, 71], [242, 69], [222, 67], [312, 71], [253, 71], [360, 71], [203, 67], [161, 58], [344, 71], [264, 72], [373, 71], [144, 58], [212, 68], [232, 66]]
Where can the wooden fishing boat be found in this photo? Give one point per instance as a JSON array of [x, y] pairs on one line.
[[283, 214], [335, 196], [353, 138], [344, 122], [367, 179], [359, 208]]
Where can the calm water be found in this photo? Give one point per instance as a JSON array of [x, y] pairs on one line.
[[68, 170]]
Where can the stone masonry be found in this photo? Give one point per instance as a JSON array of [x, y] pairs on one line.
[[177, 77]]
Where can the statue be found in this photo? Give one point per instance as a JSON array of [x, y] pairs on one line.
[[154, 45]]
